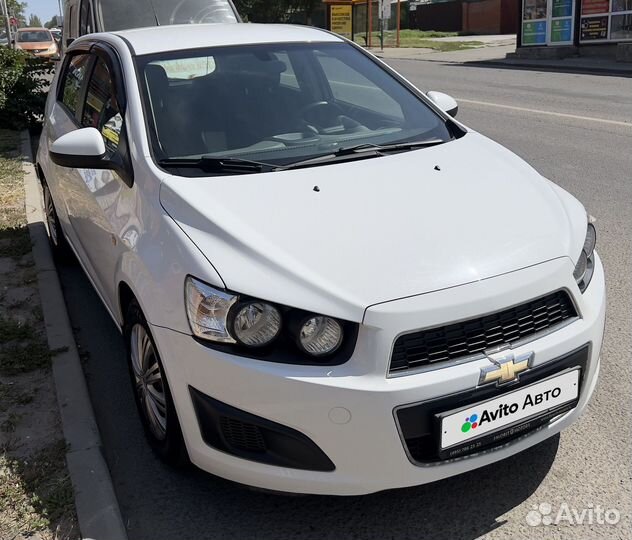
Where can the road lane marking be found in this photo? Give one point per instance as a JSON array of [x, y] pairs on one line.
[[547, 113]]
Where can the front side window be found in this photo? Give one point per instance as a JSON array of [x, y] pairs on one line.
[[73, 82], [278, 103], [101, 110]]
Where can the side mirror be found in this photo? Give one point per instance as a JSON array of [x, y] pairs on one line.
[[445, 102], [85, 149], [80, 149]]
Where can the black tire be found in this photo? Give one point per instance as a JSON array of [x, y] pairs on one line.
[[58, 243], [166, 441]]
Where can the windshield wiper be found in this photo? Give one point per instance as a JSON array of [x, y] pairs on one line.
[[398, 147], [218, 164], [361, 151]]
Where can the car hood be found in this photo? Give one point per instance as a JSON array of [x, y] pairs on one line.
[[339, 238]]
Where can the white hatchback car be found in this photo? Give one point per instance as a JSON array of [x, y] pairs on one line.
[[326, 283]]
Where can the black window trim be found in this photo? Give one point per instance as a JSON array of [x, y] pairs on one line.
[[111, 58]]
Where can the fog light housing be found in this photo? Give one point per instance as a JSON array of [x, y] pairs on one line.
[[256, 324], [320, 336]]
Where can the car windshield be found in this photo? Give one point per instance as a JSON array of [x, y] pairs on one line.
[[123, 14], [278, 104], [33, 36]]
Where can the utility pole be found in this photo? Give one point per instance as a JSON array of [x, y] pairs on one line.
[[7, 23], [369, 15], [399, 20]]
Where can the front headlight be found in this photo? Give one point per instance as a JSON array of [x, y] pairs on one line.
[[266, 331], [319, 335], [256, 324], [207, 309], [585, 267]]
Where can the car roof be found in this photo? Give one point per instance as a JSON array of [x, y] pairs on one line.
[[32, 29], [196, 36]]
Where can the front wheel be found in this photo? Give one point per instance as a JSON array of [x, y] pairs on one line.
[[151, 390]]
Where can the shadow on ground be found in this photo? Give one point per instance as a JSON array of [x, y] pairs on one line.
[[578, 70], [159, 503]]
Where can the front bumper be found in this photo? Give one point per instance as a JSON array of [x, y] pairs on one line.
[[349, 411], [47, 55]]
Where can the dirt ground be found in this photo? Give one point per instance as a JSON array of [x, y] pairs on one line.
[[36, 498]]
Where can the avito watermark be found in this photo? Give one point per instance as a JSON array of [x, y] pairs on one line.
[[544, 514]]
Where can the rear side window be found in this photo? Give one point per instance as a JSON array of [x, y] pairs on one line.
[[74, 77]]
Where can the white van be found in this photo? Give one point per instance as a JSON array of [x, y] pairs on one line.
[[87, 16]]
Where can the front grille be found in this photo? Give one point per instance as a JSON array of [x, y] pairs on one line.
[[475, 336], [419, 427], [241, 435]]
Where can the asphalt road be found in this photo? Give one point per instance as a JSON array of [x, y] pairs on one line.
[[586, 150]]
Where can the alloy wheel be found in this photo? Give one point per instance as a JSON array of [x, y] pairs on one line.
[[148, 381]]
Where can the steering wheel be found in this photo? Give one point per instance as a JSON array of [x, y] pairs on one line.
[[322, 114]]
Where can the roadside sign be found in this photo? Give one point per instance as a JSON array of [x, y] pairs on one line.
[[534, 33], [594, 28], [341, 20], [548, 22], [385, 9], [561, 30]]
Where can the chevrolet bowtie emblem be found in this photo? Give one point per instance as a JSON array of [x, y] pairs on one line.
[[506, 369]]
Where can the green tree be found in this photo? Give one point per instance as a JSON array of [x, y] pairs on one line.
[[275, 10], [24, 82], [16, 9], [53, 23], [35, 21]]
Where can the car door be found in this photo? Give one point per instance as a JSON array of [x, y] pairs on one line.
[[105, 222], [63, 117]]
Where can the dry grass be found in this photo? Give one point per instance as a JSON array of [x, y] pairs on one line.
[[36, 499], [419, 39], [35, 495], [14, 237]]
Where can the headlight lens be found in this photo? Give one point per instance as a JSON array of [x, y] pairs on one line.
[[585, 267], [254, 328], [319, 336], [256, 324], [591, 240], [207, 309], [582, 266]]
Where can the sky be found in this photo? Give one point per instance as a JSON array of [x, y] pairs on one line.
[[44, 9]]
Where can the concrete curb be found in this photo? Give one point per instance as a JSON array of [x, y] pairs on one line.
[[97, 507], [541, 65], [569, 68]]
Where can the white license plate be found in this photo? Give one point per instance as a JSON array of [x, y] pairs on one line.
[[498, 413]]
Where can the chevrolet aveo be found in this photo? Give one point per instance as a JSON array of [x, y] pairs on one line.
[[326, 283]]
